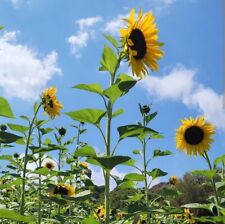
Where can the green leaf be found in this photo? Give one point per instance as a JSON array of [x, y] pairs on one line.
[[130, 162], [108, 162], [122, 86], [45, 131], [206, 173], [157, 136], [220, 159], [20, 128], [150, 117], [94, 88], [85, 151], [126, 184], [134, 131], [1, 27], [92, 116], [6, 137], [117, 113], [211, 219], [156, 173], [197, 205], [5, 109], [111, 40], [135, 198], [169, 192], [6, 157], [134, 177], [109, 60], [47, 149], [12, 215], [158, 152], [90, 220]]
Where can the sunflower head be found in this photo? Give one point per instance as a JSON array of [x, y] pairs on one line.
[[50, 103], [173, 180], [83, 165], [49, 164], [99, 213], [194, 136], [63, 189], [140, 43], [3, 127]]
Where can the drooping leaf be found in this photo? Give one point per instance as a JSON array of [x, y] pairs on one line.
[[220, 159], [169, 192], [85, 151], [108, 162], [20, 128], [158, 152], [6, 137], [134, 198], [198, 205], [90, 220], [45, 131], [136, 152], [134, 177], [5, 109], [109, 60], [111, 40], [211, 219], [126, 184], [12, 215], [92, 116], [94, 88], [156, 173], [134, 131]]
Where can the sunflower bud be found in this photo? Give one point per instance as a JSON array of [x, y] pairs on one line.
[[62, 131], [146, 109], [16, 155]]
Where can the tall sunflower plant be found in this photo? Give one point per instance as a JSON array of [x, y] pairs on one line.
[[194, 137], [140, 47]]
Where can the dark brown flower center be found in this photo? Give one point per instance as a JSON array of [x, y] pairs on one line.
[[49, 165], [61, 190], [139, 42], [194, 135]]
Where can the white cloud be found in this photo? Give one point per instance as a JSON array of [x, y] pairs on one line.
[[85, 33], [23, 73], [88, 22], [168, 2], [113, 26], [98, 178], [180, 85]]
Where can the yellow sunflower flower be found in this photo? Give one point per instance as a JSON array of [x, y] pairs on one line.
[[194, 136], [63, 189], [173, 180], [99, 213], [50, 103], [83, 165], [141, 44]]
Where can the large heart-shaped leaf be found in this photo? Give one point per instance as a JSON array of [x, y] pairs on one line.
[[85, 151], [92, 116], [94, 88]]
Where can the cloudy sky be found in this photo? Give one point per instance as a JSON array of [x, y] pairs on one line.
[[48, 42]]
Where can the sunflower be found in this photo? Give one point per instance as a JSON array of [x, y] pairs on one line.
[[194, 136], [50, 103], [99, 213], [63, 189], [188, 216], [83, 165], [173, 180], [140, 41], [49, 164]]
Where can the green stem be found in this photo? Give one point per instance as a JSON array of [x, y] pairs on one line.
[[212, 181], [145, 169], [39, 181], [22, 202], [108, 145]]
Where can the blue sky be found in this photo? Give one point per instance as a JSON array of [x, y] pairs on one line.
[[59, 43]]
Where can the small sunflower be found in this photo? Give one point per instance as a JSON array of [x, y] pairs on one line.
[[140, 40], [49, 164], [194, 136], [99, 213], [50, 103], [63, 189], [173, 180], [188, 216], [83, 165]]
